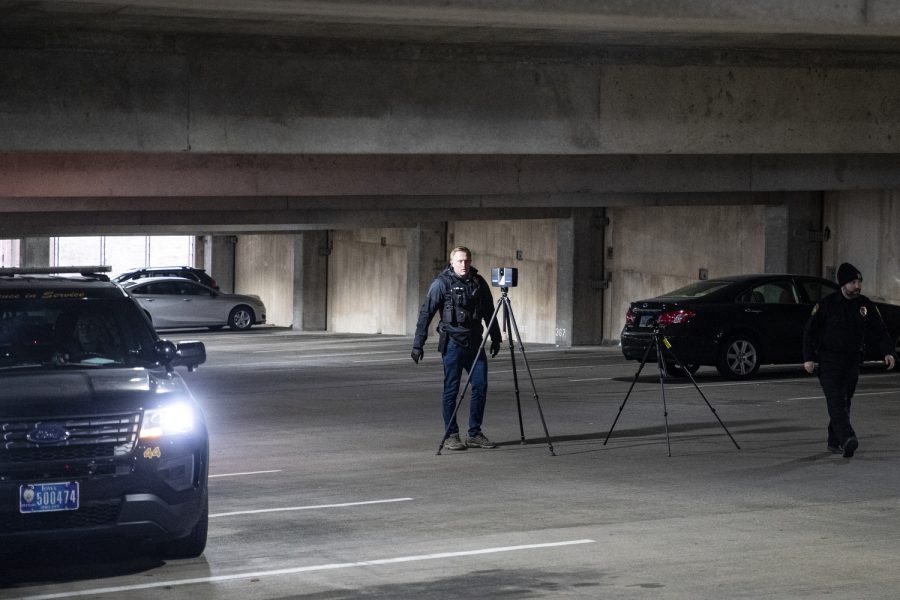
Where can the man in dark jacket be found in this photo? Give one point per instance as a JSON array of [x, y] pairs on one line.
[[464, 300], [836, 333]]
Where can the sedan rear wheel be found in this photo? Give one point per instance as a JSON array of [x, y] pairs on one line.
[[241, 318], [738, 357]]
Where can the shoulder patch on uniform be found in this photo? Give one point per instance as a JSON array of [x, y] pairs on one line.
[[863, 311]]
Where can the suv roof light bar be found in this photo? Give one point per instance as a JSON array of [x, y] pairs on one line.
[[87, 271]]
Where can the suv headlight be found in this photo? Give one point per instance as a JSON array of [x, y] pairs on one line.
[[172, 419]]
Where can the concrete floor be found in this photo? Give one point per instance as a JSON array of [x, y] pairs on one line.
[[333, 437]]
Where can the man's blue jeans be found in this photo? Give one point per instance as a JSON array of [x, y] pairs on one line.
[[456, 359]]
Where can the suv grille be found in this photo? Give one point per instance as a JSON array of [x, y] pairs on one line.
[[88, 438]]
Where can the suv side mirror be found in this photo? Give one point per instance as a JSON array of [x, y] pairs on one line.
[[184, 354]]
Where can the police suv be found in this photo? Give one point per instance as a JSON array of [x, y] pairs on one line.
[[98, 434]]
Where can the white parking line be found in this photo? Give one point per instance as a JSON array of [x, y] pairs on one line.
[[522, 368], [296, 570], [312, 507], [736, 383], [245, 473], [316, 355], [405, 356]]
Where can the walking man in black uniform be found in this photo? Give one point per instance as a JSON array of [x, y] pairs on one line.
[[835, 335], [464, 300]]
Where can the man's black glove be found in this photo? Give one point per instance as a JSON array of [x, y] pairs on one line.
[[495, 348], [417, 354]]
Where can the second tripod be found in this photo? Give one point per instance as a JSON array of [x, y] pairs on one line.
[[509, 326], [658, 342]]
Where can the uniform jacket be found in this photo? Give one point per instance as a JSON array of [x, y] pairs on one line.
[[839, 326], [463, 304]]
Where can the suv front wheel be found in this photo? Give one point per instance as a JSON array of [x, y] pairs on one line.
[[191, 545]]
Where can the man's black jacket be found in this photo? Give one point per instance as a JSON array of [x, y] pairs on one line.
[[841, 326], [447, 293]]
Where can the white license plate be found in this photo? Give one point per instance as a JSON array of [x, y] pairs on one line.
[[48, 497], [647, 320]]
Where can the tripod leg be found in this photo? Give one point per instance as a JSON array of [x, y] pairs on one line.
[[462, 394], [699, 391], [633, 381], [660, 363], [512, 357], [512, 317]]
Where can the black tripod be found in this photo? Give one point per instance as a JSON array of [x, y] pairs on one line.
[[509, 326], [658, 342]]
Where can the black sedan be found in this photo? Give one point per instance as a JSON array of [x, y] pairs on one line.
[[734, 323]]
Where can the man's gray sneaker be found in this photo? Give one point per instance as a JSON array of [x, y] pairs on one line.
[[453, 443], [480, 441]]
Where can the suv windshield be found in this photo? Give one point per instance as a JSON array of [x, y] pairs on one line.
[[55, 332]]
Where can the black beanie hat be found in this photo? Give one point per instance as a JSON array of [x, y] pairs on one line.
[[847, 273]]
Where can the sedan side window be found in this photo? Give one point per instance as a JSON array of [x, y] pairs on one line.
[[188, 288], [773, 292], [752, 296], [157, 288], [816, 290]]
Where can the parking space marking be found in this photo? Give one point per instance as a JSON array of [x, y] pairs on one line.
[[316, 355], [245, 473], [405, 357], [736, 383], [522, 368], [297, 570], [311, 507]]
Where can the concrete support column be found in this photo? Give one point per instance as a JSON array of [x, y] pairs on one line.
[[218, 260], [311, 250], [427, 254], [580, 278], [794, 233], [34, 252]]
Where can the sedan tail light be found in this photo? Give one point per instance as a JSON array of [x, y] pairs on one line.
[[675, 317], [629, 317]]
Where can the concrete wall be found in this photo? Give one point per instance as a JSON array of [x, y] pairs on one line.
[[648, 250], [652, 250], [499, 244], [367, 275], [264, 266], [863, 231], [367, 281]]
